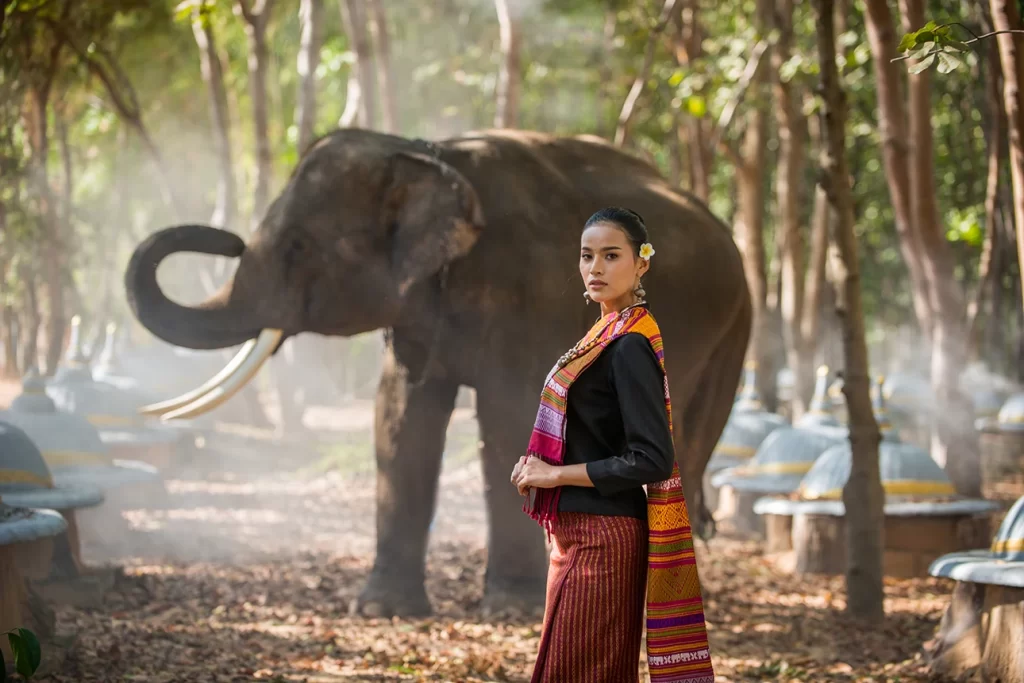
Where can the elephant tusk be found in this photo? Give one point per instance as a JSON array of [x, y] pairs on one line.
[[167, 406], [263, 348]]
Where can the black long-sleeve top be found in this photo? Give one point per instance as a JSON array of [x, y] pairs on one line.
[[616, 423]]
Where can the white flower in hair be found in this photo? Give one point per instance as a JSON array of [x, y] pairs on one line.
[[646, 251]]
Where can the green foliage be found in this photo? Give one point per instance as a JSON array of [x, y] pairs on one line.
[[27, 653], [445, 61], [935, 44]]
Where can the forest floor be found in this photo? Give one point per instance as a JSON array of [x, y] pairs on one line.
[[245, 572]]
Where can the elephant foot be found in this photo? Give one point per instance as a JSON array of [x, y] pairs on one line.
[[514, 600], [385, 598]]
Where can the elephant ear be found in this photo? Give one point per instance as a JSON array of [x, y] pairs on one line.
[[435, 217]]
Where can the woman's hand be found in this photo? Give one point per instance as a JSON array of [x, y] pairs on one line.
[[515, 477], [534, 472]]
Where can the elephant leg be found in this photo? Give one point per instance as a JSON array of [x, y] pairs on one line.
[[516, 556], [704, 418], [409, 433]]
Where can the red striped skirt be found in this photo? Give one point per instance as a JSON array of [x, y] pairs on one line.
[[597, 588]]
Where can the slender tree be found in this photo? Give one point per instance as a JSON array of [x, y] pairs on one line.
[[622, 131], [862, 494], [892, 124], [506, 113], [749, 222], [385, 78], [789, 174], [311, 37], [1006, 17], [954, 440], [361, 101], [213, 75], [256, 14]]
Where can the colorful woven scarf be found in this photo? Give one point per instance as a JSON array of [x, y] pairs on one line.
[[677, 640]]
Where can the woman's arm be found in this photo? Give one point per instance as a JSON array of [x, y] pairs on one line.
[[649, 455], [530, 472], [640, 386]]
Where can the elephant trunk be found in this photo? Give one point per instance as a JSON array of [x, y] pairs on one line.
[[216, 323]]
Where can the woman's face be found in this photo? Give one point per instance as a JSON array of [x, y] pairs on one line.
[[609, 267]]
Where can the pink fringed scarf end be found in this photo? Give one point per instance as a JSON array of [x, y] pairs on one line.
[[542, 504]]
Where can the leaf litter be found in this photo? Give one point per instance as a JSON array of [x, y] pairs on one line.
[[247, 571]]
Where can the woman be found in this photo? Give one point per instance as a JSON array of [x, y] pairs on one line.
[[603, 432]]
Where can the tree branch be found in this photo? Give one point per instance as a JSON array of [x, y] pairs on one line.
[[970, 41], [629, 105], [725, 119], [730, 152]]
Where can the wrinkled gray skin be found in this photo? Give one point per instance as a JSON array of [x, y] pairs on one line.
[[469, 258]]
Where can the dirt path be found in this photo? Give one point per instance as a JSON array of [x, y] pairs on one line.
[[247, 571]]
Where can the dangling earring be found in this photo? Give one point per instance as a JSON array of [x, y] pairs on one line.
[[586, 295], [639, 292]]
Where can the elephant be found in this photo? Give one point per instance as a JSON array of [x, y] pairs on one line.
[[464, 251]]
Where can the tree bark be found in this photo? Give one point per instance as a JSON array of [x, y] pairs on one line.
[[789, 174], [954, 440], [988, 266], [506, 114], [257, 16], [31, 320], [8, 317], [361, 103], [749, 225], [895, 150], [385, 77], [605, 70], [622, 130], [1005, 17], [814, 290], [688, 50], [103, 66], [862, 494], [52, 242], [213, 75], [311, 37]]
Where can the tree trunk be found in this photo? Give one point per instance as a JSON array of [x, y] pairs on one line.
[[361, 104], [814, 290], [814, 283], [622, 130], [895, 150], [8, 318], [954, 440], [30, 321], [256, 18], [1006, 17], [52, 246], [506, 114], [1016, 361], [67, 169], [385, 78], [311, 36], [990, 251], [676, 142], [605, 70], [862, 494], [688, 50], [749, 226], [995, 334], [122, 95], [213, 75], [789, 175]]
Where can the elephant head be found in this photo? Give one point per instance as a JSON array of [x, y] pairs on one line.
[[362, 220]]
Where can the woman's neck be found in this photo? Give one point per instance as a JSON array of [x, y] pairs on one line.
[[618, 305]]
